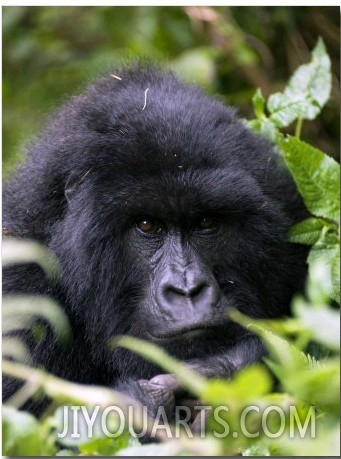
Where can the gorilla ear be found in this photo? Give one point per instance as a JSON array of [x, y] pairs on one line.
[[73, 183]]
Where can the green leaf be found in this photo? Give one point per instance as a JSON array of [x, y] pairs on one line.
[[14, 349], [258, 102], [327, 250], [323, 258], [335, 274], [283, 352], [323, 323], [317, 177], [309, 231], [306, 93], [326, 442], [16, 251], [280, 326], [23, 435], [320, 85], [247, 385], [267, 128], [257, 449], [315, 384], [320, 283], [21, 311], [104, 446]]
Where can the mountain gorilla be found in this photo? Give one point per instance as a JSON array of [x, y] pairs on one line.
[[165, 212]]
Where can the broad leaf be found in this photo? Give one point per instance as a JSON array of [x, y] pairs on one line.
[[309, 231], [317, 177], [307, 92]]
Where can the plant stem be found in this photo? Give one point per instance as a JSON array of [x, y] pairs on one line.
[[299, 127]]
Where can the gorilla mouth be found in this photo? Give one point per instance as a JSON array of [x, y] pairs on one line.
[[190, 332]]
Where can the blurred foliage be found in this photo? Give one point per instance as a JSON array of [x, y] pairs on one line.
[[51, 52]]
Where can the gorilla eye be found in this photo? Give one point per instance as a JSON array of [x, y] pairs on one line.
[[207, 223], [149, 226]]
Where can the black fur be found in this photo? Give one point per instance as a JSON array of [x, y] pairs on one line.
[[150, 145]]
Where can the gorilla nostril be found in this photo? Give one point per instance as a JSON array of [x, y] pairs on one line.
[[205, 296], [198, 290], [172, 294]]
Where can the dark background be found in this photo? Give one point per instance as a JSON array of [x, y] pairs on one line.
[[52, 52]]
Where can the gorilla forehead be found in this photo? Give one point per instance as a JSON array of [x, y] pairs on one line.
[[177, 194], [159, 139]]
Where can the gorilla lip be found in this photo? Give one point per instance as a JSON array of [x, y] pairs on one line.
[[187, 332]]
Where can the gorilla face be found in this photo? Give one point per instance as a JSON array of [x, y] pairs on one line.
[[165, 212]]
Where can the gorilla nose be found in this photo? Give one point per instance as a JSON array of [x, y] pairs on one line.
[[201, 295]]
